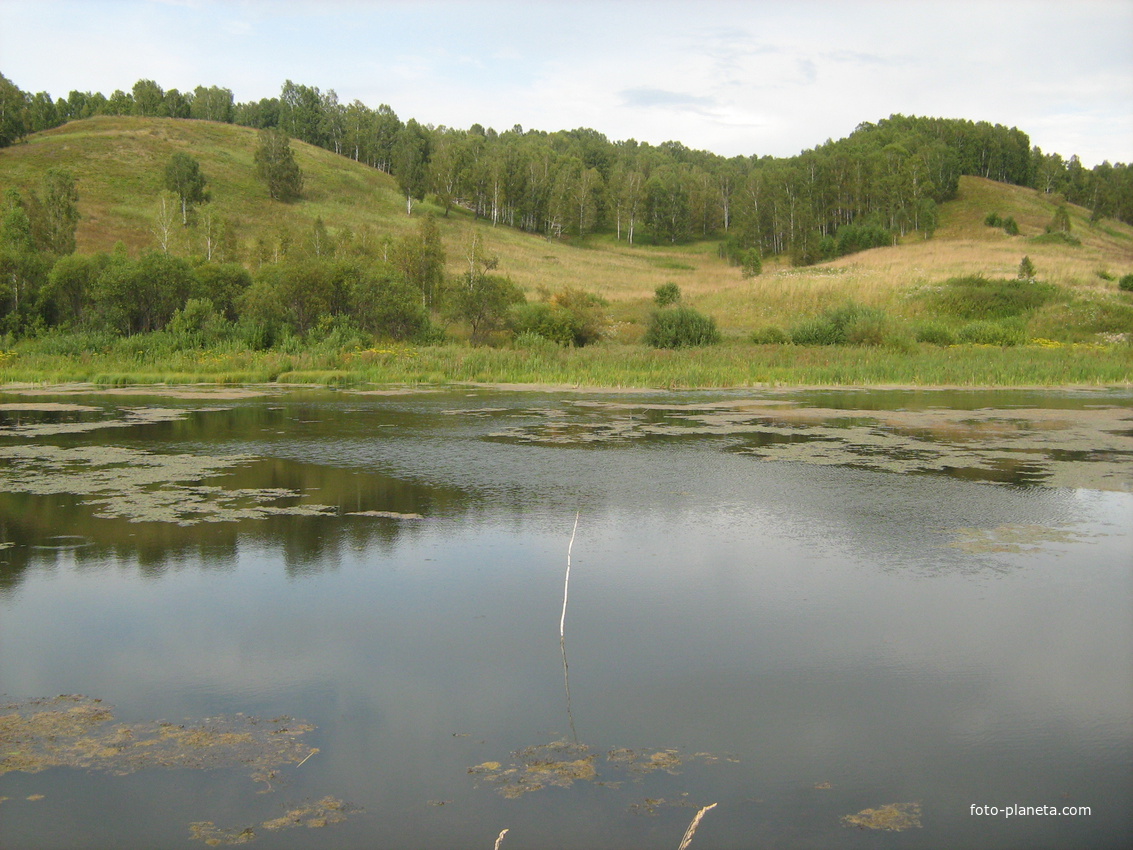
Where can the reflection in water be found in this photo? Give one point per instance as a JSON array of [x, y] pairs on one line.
[[769, 611]]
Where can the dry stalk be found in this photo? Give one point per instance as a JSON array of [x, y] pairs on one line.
[[500, 840], [313, 751], [566, 584], [692, 826]]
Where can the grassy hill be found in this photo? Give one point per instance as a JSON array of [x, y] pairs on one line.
[[119, 164]]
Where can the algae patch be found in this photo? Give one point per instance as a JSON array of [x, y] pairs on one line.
[[561, 764], [143, 486], [893, 817], [1019, 539], [81, 732], [324, 812]]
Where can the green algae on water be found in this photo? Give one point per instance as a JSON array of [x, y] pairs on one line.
[[143, 486], [893, 817]]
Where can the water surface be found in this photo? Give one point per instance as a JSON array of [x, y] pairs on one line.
[[799, 606]]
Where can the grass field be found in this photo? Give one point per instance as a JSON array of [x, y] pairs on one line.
[[119, 164]]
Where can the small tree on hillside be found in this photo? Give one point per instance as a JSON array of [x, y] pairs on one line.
[[276, 166], [183, 177]]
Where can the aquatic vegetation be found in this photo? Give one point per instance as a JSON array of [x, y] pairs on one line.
[[561, 764], [893, 817], [1020, 539], [144, 486], [80, 732], [324, 812], [1090, 448]]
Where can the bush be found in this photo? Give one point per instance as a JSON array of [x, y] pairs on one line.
[[197, 324], [751, 264], [1126, 283], [680, 327], [993, 333], [976, 297], [993, 220], [1010, 226], [934, 333], [852, 324], [666, 294], [1055, 237], [770, 336]]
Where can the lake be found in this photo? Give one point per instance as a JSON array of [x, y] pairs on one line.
[[316, 618]]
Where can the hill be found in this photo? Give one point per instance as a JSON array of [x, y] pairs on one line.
[[119, 163]]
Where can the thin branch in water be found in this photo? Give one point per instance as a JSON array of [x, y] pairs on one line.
[[692, 826], [500, 840]]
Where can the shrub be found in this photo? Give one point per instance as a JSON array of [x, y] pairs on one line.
[[770, 336], [570, 316], [1010, 226], [197, 324], [993, 220], [751, 264], [544, 321], [993, 333], [934, 333], [1026, 269], [1104, 275], [1126, 283], [852, 324], [976, 297], [666, 294], [1055, 237], [680, 327]]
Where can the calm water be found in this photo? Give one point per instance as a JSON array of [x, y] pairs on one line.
[[803, 641]]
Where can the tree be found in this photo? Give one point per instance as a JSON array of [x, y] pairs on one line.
[[163, 220], [411, 162], [212, 104], [276, 166], [13, 105], [483, 299], [149, 99], [183, 177]]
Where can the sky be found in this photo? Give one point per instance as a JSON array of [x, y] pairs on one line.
[[736, 77]]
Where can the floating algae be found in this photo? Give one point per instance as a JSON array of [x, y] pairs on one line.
[[143, 486], [1090, 448], [80, 732], [1020, 539], [324, 812], [562, 764], [893, 817], [130, 418]]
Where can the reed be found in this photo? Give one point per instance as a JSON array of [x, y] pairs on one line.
[[500, 839], [692, 826]]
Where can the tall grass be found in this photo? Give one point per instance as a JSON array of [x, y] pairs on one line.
[[732, 364]]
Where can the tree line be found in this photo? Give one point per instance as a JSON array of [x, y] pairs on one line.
[[884, 180]]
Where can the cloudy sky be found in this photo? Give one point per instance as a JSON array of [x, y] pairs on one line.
[[730, 76]]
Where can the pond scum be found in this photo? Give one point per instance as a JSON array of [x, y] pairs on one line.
[[80, 732]]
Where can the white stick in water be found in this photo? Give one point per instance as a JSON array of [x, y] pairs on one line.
[[566, 584], [500, 840]]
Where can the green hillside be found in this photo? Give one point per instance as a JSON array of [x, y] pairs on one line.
[[119, 164]]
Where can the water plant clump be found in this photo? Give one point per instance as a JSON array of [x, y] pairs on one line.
[[892, 817]]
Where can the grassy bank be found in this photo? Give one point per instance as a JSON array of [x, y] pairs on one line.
[[730, 365]]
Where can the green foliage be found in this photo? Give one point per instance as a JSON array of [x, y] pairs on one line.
[[666, 294], [751, 265], [1056, 237], [1010, 226], [977, 297], [772, 335], [1060, 223], [568, 317], [993, 333], [1126, 283], [993, 220], [852, 238], [934, 333], [851, 324], [680, 327], [223, 284], [384, 303], [276, 166], [198, 325], [183, 178], [1026, 269]]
